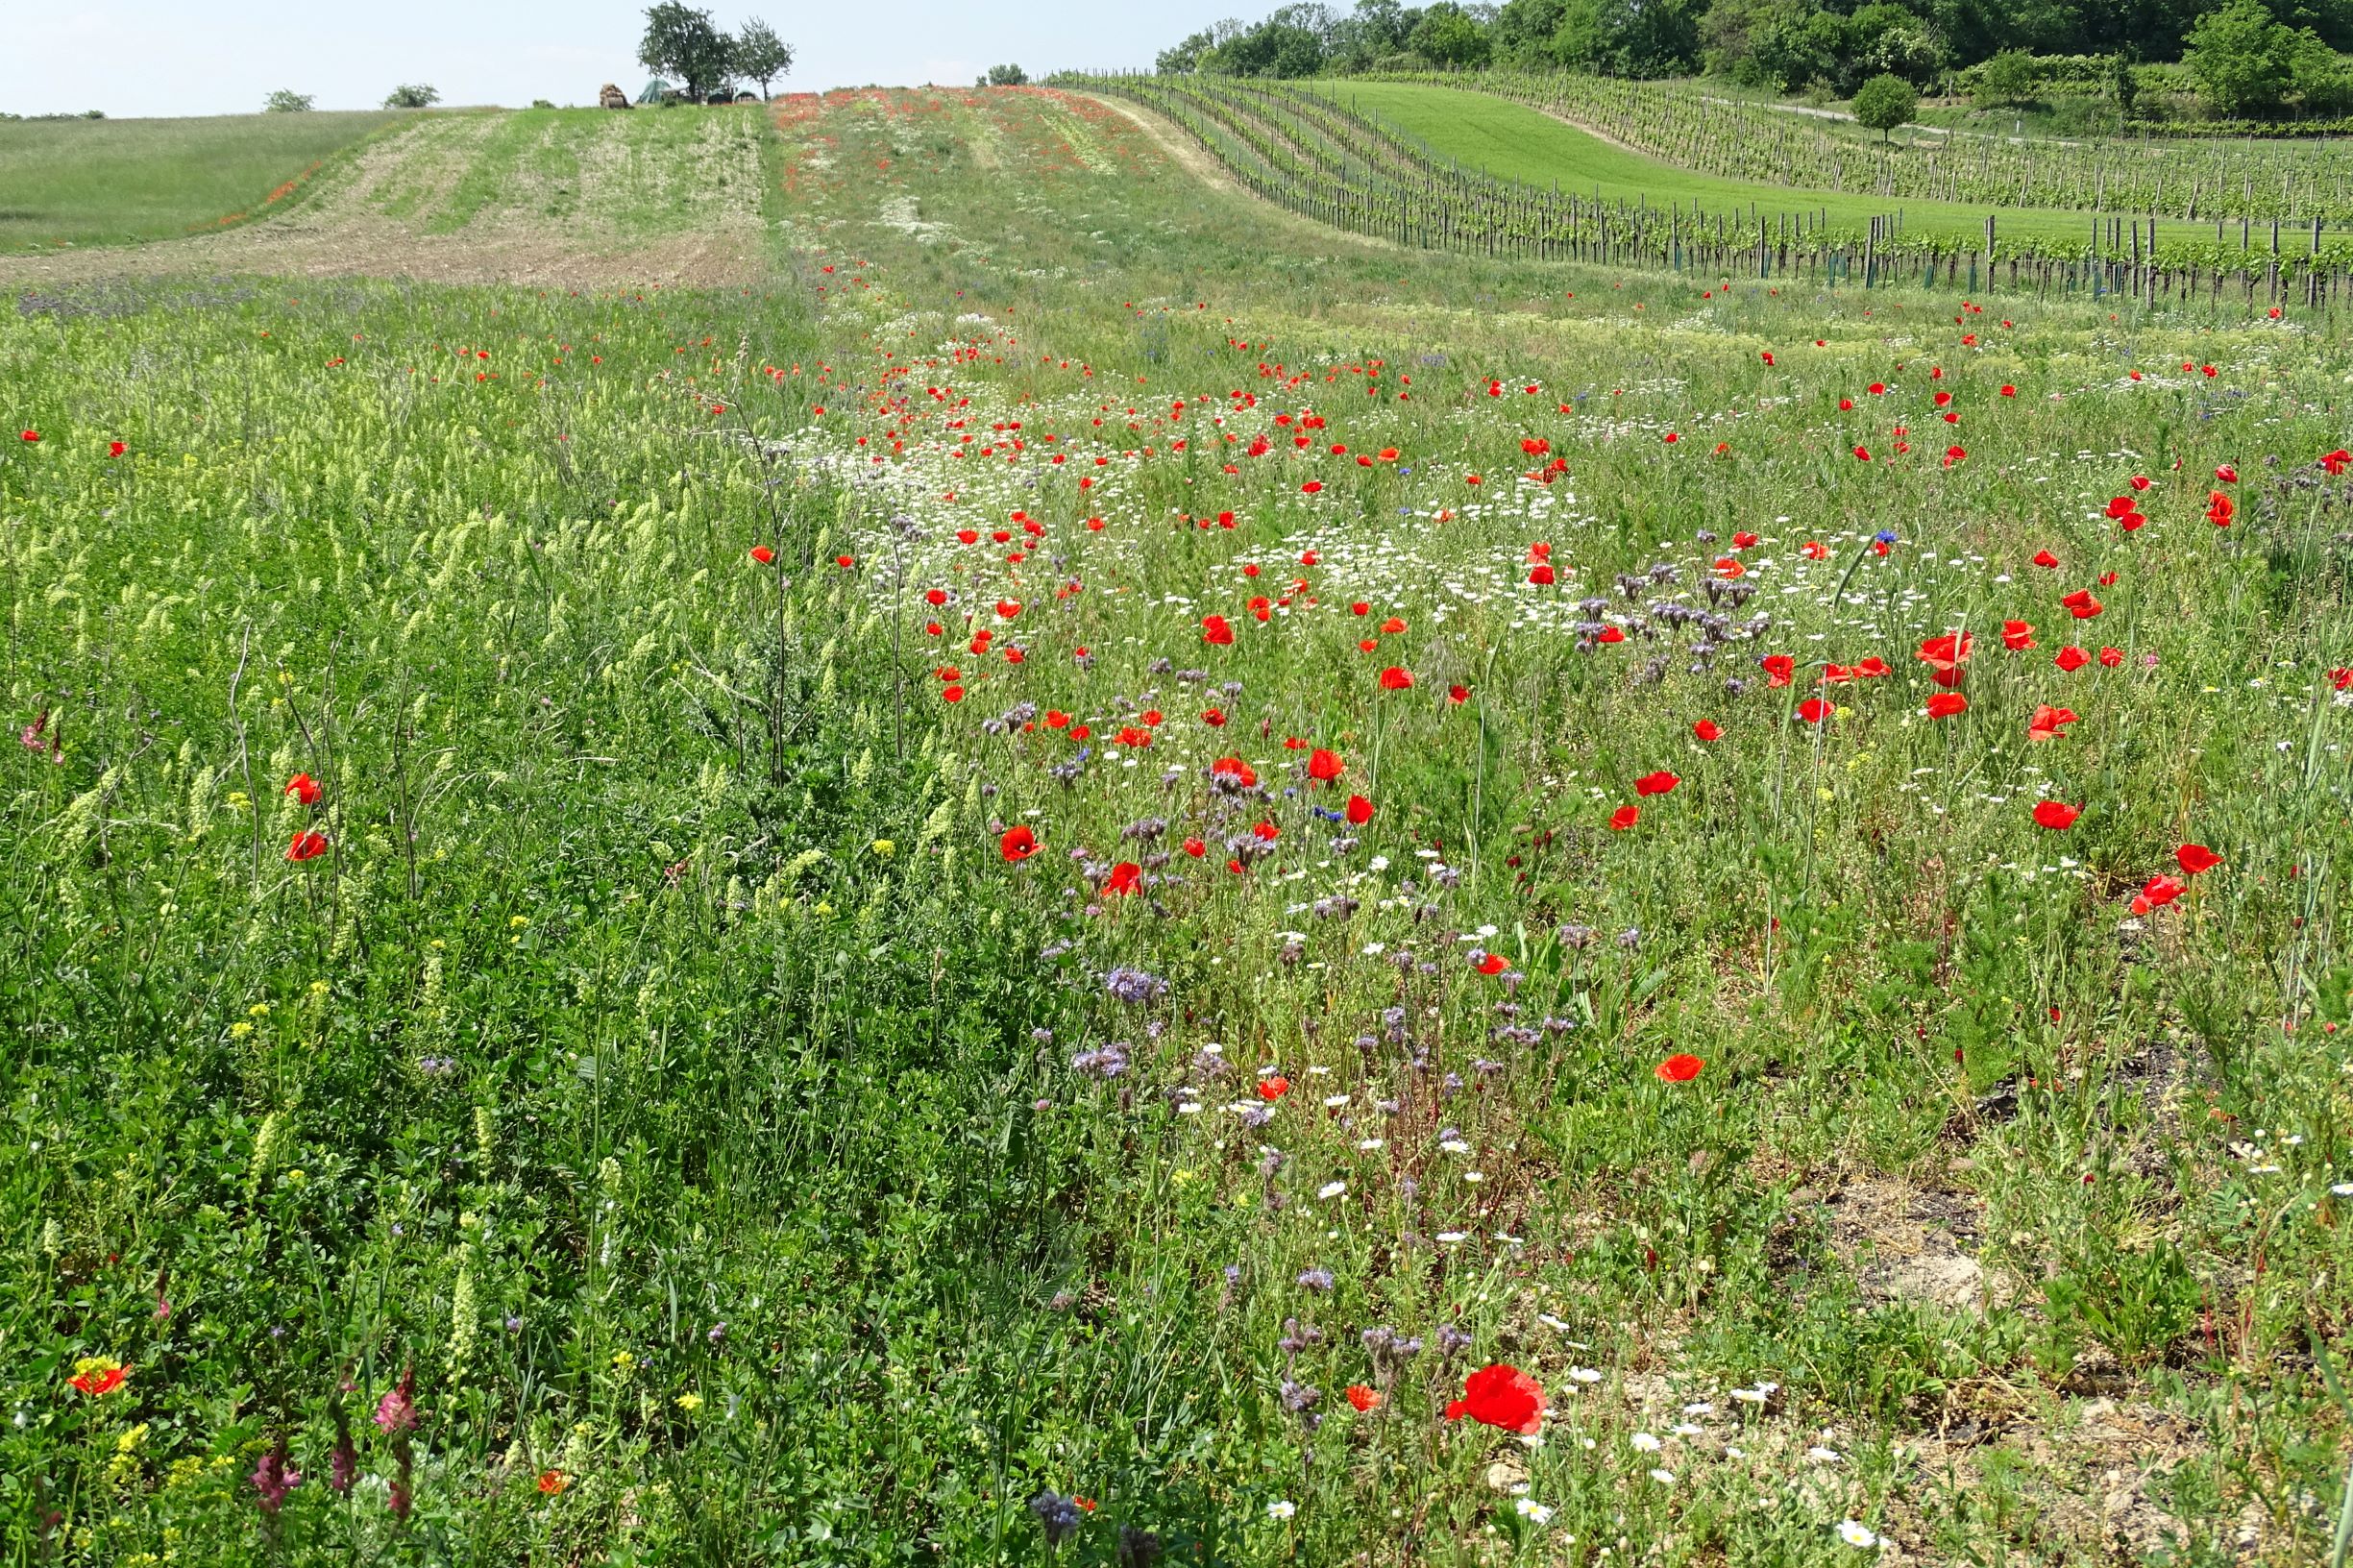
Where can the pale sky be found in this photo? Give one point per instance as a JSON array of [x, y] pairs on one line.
[[219, 56]]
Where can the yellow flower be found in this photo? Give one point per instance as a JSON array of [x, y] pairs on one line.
[[240, 1029], [690, 1402], [885, 847], [517, 921], [624, 1363], [259, 1010]]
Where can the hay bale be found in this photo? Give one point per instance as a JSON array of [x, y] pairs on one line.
[[610, 96]]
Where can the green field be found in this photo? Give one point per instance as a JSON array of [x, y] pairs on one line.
[[1512, 141], [1066, 870], [111, 182]]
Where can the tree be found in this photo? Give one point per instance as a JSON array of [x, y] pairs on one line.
[[286, 101], [760, 54], [1523, 28], [1628, 37], [1447, 35], [680, 43], [412, 95], [2241, 60], [1005, 76], [1885, 102], [1185, 58]]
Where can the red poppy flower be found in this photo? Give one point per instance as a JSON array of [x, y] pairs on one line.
[[1947, 652], [1394, 679], [2193, 858], [1946, 704], [1705, 729], [304, 788], [1312, 487], [1814, 710], [100, 1379], [845, 562], [1195, 848], [2009, 391], [309, 845], [28, 437], [1541, 575], [1657, 783], [763, 554], [1215, 718], [2017, 635], [1362, 1398], [1359, 809], [2071, 659], [2335, 462], [1743, 540], [1493, 964], [2111, 657], [2220, 508], [1125, 878], [2055, 815], [2048, 723], [1458, 694], [1215, 629], [1017, 844], [1501, 1396], [2045, 559], [1234, 769], [2158, 892], [2226, 474], [1778, 669], [1680, 1068], [2081, 604], [1324, 765], [116, 449], [552, 1482], [1274, 1088], [1624, 818]]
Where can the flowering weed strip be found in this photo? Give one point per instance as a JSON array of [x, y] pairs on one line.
[[1099, 877]]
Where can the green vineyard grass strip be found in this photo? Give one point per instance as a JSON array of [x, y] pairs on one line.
[[1691, 126], [117, 181], [1512, 141]]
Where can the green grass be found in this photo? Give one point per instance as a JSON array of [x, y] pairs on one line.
[[1513, 141], [664, 1061], [115, 181]]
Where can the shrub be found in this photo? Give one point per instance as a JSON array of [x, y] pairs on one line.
[[2008, 78], [286, 101]]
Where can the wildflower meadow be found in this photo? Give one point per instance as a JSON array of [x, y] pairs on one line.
[[1084, 873]]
